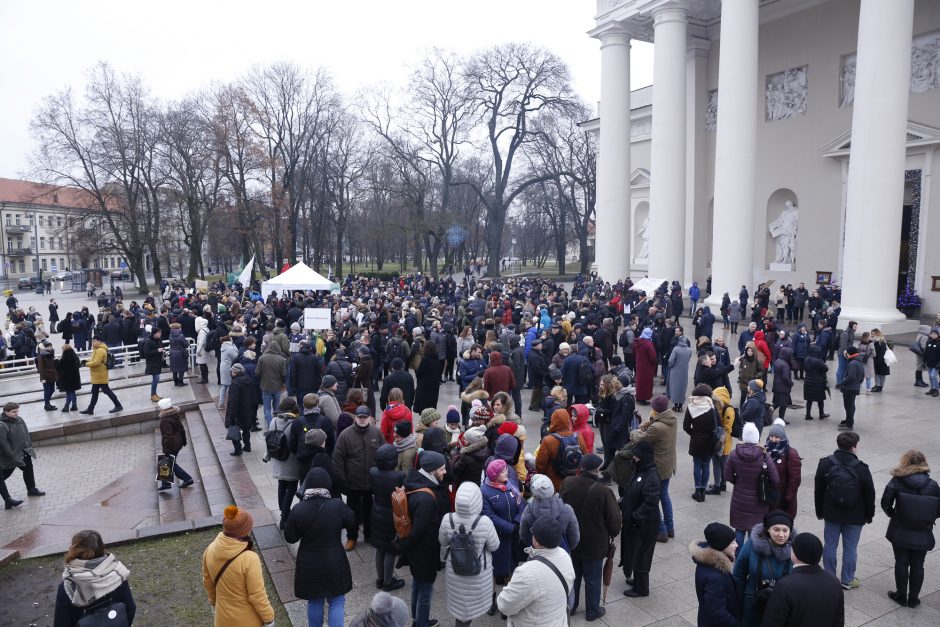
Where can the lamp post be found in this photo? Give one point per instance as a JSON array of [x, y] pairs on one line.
[[40, 289], [512, 257]]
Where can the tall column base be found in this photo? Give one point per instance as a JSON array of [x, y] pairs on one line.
[[889, 322]]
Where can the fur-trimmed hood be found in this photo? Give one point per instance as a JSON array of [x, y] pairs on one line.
[[707, 556], [762, 544], [495, 421], [907, 471], [469, 397], [473, 447]]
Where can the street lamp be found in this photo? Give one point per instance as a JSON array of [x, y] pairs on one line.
[[34, 216], [512, 256]]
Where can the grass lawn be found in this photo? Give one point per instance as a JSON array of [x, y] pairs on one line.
[[166, 580]]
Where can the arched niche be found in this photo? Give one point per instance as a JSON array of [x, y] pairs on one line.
[[641, 214], [775, 206]]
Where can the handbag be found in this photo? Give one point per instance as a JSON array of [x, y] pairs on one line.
[[233, 433], [718, 435], [918, 509], [105, 613], [165, 465], [890, 358], [766, 492]]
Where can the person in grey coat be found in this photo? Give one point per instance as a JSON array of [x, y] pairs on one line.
[[678, 383], [227, 356], [469, 596], [546, 503], [734, 315]]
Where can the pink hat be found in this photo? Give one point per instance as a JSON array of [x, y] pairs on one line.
[[495, 468]]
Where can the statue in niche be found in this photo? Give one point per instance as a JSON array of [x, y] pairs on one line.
[[644, 234], [784, 230], [848, 83]]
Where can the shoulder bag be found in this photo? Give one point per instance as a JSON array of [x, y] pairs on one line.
[[561, 578]]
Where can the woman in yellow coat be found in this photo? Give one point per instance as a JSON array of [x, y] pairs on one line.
[[98, 366], [231, 575], [722, 399]]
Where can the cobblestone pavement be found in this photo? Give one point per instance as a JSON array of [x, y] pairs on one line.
[[68, 473]]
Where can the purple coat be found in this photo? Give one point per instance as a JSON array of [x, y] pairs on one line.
[[742, 469]]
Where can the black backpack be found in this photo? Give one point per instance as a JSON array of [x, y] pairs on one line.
[[213, 341], [585, 373], [464, 559], [275, 441], [737, 427], [568, 459], [394, 350], [843, 486], [110, 362]]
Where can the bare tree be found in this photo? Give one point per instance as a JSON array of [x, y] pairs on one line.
[[346, 161]]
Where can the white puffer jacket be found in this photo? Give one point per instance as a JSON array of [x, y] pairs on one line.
[[469, 597]]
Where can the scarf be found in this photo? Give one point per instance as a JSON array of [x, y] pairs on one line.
[[454, 433], [86, 581], [317, 493], [779, 449], [506, 487], [405, 443], [698, 405]]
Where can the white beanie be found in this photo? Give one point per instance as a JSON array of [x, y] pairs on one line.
[[750, 434], [165, 403]]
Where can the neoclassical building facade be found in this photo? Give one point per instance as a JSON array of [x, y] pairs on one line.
[[791, 140]]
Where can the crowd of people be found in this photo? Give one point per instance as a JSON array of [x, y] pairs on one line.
[[517, 521]]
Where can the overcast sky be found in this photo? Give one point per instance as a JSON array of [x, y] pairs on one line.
[[180, 46]]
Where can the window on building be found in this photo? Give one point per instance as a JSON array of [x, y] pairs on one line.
[[9, 220], [22, 266], [44, 267], [40, 220], [35, 266], [58, 221], [32, 219], [96, 264], [32, 243], [61, 243], [42, 243], [10, 245], [61, 263], [18, 222]]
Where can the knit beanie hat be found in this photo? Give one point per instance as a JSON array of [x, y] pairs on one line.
[[777, 517], [165, 403], [474, 434], [807, 548], [719, 536], [429, 416], [452, 414], [643, 451], [660, 404], [494, 468], [508, 427], [237, 523], [755, 385], [480, 412], [702, 389], [431, 461], [327, 381], [237, 368], [548, 532], [750, 434], [777, 429], [542, 487], [315, 437], [403, 428], [391, 610]]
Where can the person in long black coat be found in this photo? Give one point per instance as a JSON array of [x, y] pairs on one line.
[[640, 510], [401, 379], [384, 479], [305, 372], [815, 381], [69, 380], [152, 352], [428, 375], [241, 407], [910, 539], [322, 573]]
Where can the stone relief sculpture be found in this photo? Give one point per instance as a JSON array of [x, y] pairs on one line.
[[711, 111], [643, 233], [925, 68], [785, 95], [784, 231]]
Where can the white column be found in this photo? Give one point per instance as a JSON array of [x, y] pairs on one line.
[[613, 233], [876, 164], [735, 150], [668, 153]]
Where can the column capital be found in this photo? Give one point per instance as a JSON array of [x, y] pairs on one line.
[[699, 46], [613, 34], [670, 12]]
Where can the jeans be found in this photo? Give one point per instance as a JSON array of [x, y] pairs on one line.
[[181, 474], [692, 307], [848, 401], [102, 387], [337, 613], [384, 566], [700, 471], [740, 535], [360, 502], [840, 369], [934, 374], [718, 469], [154, 380], [850, 535], [421, 602], [909, 565], [71, 399], [223, 392], [271, 401], [880, 380], [590, 571], [48, 389], [666, 522], [285, 497]]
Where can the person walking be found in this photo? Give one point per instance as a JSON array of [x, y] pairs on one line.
[[93, 578], [783, 382], [660, 431], [599, 521], [809, 596], [232, 575], [69, 377], [640, 509], [911, 500], [717, 593], [286, 471], [765, 557], [537, 595], [700, 421], [469, 595], [16, 451], [98, 367], [815, 381], [354, 456], [322, 573], [173, 440], [851, 386], [721, 397], [743, 470], [789, 466], [845, 499], [384, 478], [48, 373]]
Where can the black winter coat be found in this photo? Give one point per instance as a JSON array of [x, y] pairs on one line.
[[428, 375], [599, 517], [864, 510], [70, 379], [907, 533], [322, 566], [815, 379], [151, 352], [468, 464], [421, 547], [306, 372], [242, 406], [807, 597], [718, 604], [384, 483], [700, 430], [401, 380]]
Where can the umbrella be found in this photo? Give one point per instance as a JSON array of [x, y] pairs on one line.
[[609, 567]]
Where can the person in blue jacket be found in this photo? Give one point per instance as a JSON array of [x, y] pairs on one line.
[[694, 294], [718, 604], [766, 556]]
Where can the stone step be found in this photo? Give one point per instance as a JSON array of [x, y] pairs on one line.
[[212, 480]]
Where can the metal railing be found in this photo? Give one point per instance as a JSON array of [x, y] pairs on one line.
[[125, 357]]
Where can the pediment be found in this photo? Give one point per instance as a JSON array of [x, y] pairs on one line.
[[640, 178], [917, 136]]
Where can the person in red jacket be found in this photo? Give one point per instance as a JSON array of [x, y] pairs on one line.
[[498, 377], [395, 412], [646, 361], [761, 345], [789, 466], [580, 415]]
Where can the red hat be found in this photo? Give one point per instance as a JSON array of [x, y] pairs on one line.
[[507, 427]]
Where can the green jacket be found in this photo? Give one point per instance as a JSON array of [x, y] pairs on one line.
[[14, 442]]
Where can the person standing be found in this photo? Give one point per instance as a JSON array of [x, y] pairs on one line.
[[428, 376], [766, 556], [537, 371], [228, 354], [354, 456], [92, 577], [179, 354], [287, 471], [69, 378], [789, 466], [53, 316], [851, 386], [783, 382], [717, 593], [172, 440], [16, 451], [48, 373], [98, 367], [721, 397], [660, 432], [846, 339], [640, 509], [882, 369], [152, 352], [931, 359], [815, 381], [700, 421], [646, 361], [272, 376], [911, 501], [845, 499], [503, 505], [743, 469], [322, 574], [384, 479], [917, 347], [809, 596], [241, 409], [599, 521], [678, 364]]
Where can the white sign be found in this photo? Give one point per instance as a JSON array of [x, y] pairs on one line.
[[317, 318], [647, 285], [55, 268]]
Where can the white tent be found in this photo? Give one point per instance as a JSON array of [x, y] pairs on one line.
[[299, 277]]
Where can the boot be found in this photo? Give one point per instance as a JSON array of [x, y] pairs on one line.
[[116, 409], [699, 495], [493, 608], [919, 379], [49, 407], [154, 398], [713, 489]]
